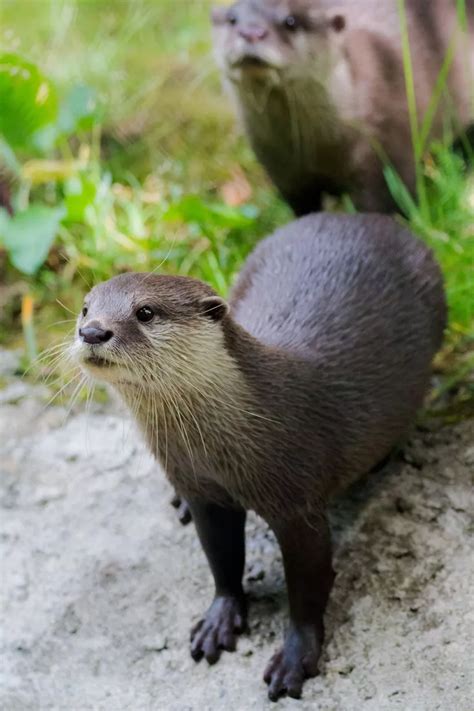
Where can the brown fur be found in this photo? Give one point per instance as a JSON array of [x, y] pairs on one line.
[[309, 381], [326, 104]]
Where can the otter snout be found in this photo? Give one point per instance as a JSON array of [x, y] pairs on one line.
[[93, 333], [253, 33]]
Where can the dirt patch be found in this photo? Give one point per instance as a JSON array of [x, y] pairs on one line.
[[101, 583]]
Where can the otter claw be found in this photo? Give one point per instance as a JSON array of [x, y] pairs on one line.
[[287, 670], [218, 631], [184, 512]]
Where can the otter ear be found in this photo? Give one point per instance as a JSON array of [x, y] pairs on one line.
[[214, 307], [338, 23], [218, 14]]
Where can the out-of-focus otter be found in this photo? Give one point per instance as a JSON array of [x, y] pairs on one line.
[[275, 405], [320, 88]]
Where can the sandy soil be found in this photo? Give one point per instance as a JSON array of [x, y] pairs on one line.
[[100, 583]]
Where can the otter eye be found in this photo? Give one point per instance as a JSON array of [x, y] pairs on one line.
[[84, 311], [231, 18], [144, 314], [290, 22]]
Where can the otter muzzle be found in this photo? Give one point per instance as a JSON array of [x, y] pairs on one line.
[[93, 333]]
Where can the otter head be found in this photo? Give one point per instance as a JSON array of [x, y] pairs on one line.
[[255, 37], [149, 330]]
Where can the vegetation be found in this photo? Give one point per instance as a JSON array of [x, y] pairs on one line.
[[122, 153]]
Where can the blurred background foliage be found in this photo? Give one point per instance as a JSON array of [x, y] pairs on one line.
[[119, 151]]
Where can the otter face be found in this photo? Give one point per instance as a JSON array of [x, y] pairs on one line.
[[253, 37], [138, 329]]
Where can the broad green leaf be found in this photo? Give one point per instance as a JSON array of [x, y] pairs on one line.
[[78, 110], [27, 98], [8, 158], [28, 235]]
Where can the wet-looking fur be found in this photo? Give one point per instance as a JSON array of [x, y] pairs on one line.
[[319, 87], [274, 402]]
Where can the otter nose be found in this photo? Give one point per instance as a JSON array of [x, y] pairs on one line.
[[94, 333], [253, 33]]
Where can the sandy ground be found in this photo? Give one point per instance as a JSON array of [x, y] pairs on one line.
[[100, 583]]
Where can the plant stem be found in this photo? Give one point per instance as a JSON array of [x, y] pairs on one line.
[[412, 112]]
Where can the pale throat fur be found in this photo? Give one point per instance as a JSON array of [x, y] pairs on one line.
[[197, 411]]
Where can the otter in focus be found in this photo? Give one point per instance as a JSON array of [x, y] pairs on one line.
[[275, 401], [320, 89]]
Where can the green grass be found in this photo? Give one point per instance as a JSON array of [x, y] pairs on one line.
[[152, 67], [446, 223], [443, 213], [142, 178]]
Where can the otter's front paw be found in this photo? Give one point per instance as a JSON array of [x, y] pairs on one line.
[[292, 664], [184, 512], [224, 620]]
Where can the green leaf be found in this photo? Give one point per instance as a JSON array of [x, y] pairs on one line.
[[399, 191], [8, 159], [28, 235], [27, 98], [80, 193], [193, 209], [78, 110]]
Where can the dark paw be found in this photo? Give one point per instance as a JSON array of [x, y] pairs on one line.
[[184, 513], [296, 661], [224, 620]]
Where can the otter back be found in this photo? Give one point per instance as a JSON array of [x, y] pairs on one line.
[[357, 303]]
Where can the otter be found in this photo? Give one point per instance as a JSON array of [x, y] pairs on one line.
[[320, 89], [276, 400]]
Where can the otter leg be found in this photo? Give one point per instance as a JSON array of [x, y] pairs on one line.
[[306, 550], [222, 536], [305, 201]]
